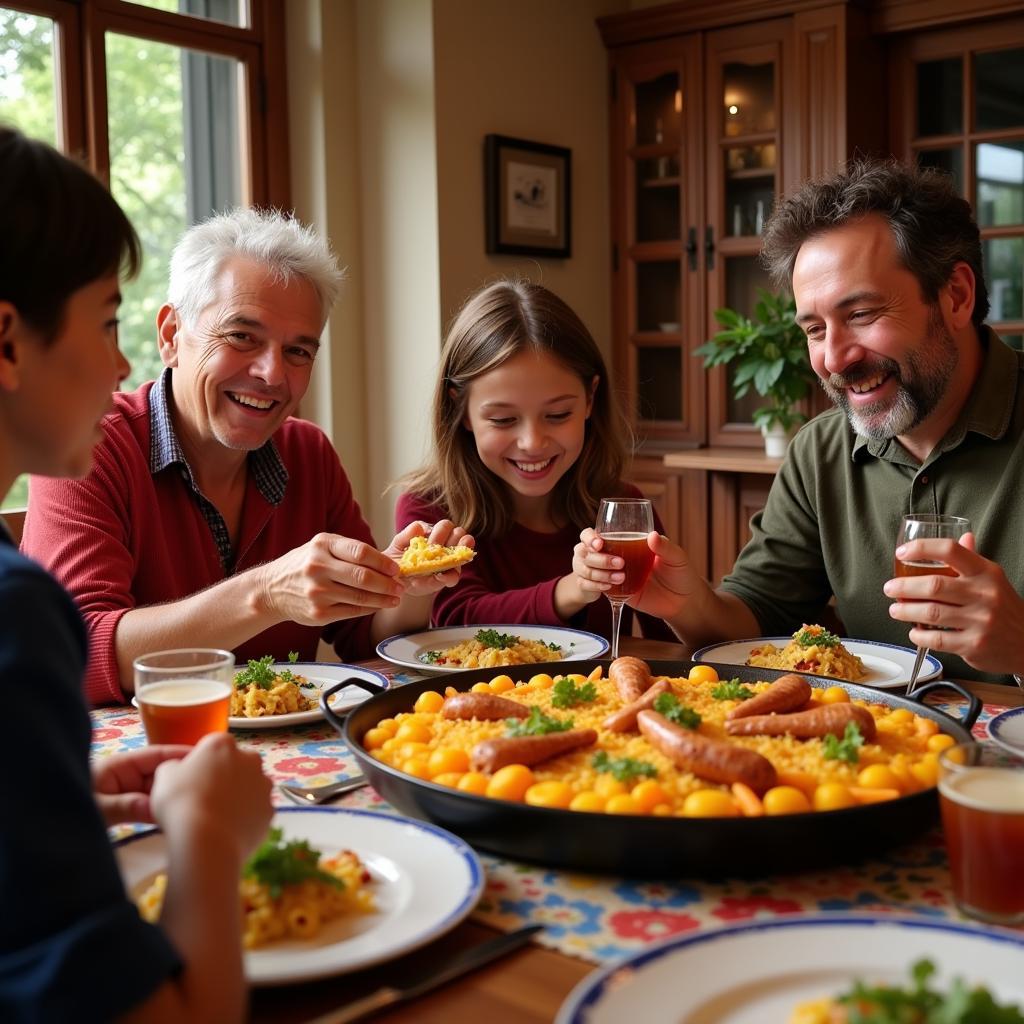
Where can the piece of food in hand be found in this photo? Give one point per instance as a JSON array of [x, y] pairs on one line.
[[707, 758], [787, 693], [631, 676], [831, 719], [423, 558]]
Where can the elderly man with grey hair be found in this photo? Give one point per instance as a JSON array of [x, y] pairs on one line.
[[212, 516]]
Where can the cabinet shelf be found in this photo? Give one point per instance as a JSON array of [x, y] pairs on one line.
[[751, 174]]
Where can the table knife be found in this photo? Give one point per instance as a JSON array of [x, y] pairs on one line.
[[431, 977]]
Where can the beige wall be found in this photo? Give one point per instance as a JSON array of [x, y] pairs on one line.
[[389, 102]]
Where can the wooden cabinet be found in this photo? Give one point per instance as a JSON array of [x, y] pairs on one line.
[[715, 115]]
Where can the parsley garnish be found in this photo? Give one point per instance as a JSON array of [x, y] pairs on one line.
[[537, 724], [623, 768], [277, 864], [498, 641], [815, 636], [845, 749], [567, 694], [883, 1004], [431, 657], [259, 673], [667, 704], [732, 690]]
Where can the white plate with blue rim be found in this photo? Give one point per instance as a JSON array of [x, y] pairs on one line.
[[888, 665], [1007, 729], [423, 651], [318, 675], [759, 973], [424, 882]]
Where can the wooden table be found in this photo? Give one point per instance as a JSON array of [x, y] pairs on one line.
[[526, 987]]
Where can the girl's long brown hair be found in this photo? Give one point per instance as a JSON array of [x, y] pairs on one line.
[[500, 321]]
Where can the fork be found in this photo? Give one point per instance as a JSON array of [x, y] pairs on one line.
[[311, 795]]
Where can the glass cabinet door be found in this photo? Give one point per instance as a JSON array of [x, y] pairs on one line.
[[743, 163], [967, 118], [658, 294]]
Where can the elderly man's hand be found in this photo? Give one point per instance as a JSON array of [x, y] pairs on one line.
[[444, 532], [980, 614], [328, 578]]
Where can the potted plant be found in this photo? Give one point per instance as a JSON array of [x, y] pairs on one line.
[[769, 351]]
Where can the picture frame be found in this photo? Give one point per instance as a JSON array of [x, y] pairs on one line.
[[528, 196]]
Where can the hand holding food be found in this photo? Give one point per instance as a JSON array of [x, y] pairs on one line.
[[423, 558], [430, 556]]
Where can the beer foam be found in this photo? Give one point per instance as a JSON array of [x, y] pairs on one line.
[[986, 789], [184, 692]]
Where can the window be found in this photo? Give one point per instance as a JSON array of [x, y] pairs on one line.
[[172, 102], [967, 118]]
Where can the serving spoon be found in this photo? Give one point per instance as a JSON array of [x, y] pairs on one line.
[[309, 796]]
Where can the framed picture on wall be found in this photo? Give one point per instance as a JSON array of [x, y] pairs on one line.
[[527, 190]]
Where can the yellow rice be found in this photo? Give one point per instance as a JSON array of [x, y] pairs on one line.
[[836, 661]]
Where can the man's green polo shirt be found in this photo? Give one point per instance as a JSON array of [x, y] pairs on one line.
[[835, 508]]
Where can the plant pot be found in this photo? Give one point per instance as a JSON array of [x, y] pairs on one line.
[[776, 440]]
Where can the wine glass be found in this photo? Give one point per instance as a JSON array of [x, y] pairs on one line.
[[927, 526], [623, 524]]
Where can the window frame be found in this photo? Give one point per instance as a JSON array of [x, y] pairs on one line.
[[80, 69]]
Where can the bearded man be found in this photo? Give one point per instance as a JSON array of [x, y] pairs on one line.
[[884, 262]]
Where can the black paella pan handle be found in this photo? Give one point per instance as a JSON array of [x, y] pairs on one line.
[[325, 697], [973, 702]]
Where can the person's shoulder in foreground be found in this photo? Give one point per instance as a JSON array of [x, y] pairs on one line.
[[64, 905]]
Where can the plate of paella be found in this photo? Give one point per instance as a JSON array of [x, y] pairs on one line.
[[461, 648], [814, 651], [795, 971]]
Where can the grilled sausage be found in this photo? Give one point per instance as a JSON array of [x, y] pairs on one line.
[[490, 755], [624, 719], [707, 758], [787, 693], [483, 706], [631, 676], [828, 719]]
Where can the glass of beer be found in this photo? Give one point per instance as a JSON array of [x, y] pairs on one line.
[[927, 526], [184, 694], [981, 792], [623, 524]]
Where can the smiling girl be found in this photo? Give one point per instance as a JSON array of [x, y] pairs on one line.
[[527, 439]]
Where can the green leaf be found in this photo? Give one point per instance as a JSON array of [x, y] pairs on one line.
[[623, 768], [566, 694], [668, 704], [277, 864], [537, 724], [847, 749]]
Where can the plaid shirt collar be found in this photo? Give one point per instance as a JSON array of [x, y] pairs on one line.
[[268, 471]]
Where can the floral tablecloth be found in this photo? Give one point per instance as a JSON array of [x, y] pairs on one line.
[[601, 918]]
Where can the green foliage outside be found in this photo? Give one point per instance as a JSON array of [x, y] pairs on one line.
[[769, 353], [144, 84]]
